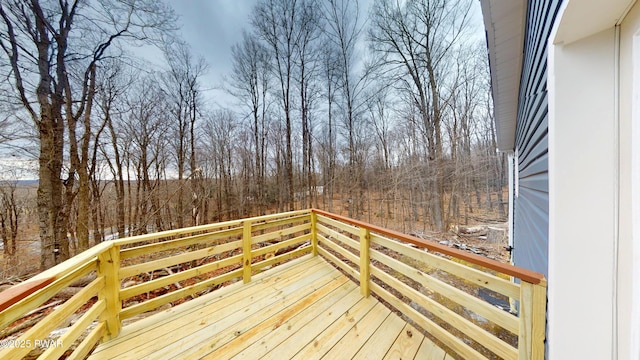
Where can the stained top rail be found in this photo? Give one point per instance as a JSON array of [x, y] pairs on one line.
[[518, 272]]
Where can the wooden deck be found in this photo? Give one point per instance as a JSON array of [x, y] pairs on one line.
[[305, 309]]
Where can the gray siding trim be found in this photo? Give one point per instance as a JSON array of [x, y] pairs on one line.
[[531, 206]]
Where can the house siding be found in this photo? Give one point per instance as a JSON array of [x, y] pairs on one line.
[[531, 206]]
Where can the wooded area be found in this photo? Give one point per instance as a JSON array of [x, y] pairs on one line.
[[381, 113]]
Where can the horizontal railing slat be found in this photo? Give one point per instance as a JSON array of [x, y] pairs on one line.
[[353, 244], [175, 260], [339, 249], [278, 233], [339, 263], [173, 244], [283, 244], [39, 297], [480, 307], [523, 274], [465, 326], [183, 275], [340, 225], [53, 320], [282, 257], [475, 276], [257, 225], [73, 333], [178, 294], [83, 349]]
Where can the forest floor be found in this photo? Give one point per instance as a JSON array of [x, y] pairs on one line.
[[475, 233]]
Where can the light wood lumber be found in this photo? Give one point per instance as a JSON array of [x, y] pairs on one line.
[[406, 345], [71, 265], [206, 227], [38, 298], [431, 327], [276, 348], [322, 343], [315, 310], [270, 236], [339, 263], [178, 294], [177, 232], [330, 233], [521, 273], [475, 332], [365, 276], [108, 267], [357, 335], [136, 269], [53, 320], [73, 333], [173, 244], [480, 307], [258, 225], [176, 325], [539, 321], [532, 321], [222, 297], [313, 303], [429, 350], [339, 249], [246, 251], [210, 337], [83, 349], [314, 233], [281, 258], [283, 244], [354, 230], [382, 339], [183, 275], [464, 272]]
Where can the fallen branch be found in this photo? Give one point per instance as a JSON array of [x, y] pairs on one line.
[[25, 325]]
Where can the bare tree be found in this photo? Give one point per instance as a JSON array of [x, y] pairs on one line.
[[330, 65], [415, 40], [182, 84], [10, 213], [146, 125], [113, 86], [282, 25], [49, 43], [220, 134], [343, 31], [250, 83]]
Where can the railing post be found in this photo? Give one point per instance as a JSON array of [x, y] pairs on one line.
[[314, 234], [246, 251], [533, 304], [365, 242], [109, 266]]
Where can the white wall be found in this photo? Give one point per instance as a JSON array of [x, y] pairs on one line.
[[628, 296], [594, 184], [582, 206]]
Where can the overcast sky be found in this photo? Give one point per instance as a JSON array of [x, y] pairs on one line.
[[211, 27]]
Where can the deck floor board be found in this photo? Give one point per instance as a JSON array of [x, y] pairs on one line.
[[305, 309]]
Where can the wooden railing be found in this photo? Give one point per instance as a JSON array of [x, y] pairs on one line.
[[427, 288], [130, 276]]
